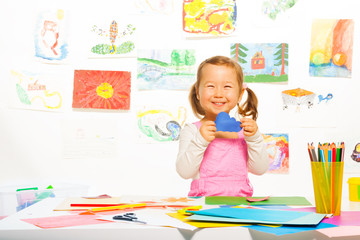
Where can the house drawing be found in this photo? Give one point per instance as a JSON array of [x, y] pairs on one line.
[[258, 61]]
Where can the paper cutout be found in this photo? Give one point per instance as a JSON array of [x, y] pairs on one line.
[[226, 124], [254, 199], [98, 197]]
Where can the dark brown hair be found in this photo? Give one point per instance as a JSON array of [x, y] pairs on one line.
[[248, 108]]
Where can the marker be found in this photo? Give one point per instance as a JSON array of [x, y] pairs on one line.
[[25, 189]]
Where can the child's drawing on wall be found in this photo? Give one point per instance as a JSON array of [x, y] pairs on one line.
[[115, 38], [272, 8], [155, 6], [277, 145], [297, 97], [160, 124], [101, 89], [50, 36], [209, 17], [331, 48], [36, 91], [166, 69], [262, 62]]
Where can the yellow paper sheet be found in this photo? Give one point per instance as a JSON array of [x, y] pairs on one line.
[[182, 217]]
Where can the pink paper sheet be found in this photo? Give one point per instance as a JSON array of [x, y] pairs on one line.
[[64, 221], [344, 231]]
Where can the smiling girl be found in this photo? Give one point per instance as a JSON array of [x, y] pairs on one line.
[[218, 162]]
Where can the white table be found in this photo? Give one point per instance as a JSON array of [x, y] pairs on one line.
[[13, 228]]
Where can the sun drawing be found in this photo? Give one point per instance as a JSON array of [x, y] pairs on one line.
[[101, 89]]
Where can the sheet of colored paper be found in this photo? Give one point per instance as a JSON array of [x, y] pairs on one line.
[[153, 217], [262, 216], [282, 230], [202, 224], [220, 200], [309, 219], [346, 218], [343, 231], [64, 221]]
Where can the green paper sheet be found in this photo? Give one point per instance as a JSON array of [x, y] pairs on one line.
[[222, 200]]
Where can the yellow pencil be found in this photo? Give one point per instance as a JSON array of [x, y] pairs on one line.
[[100, 209], [120, 207]]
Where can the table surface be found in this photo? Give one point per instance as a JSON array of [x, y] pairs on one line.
[[12, 227]]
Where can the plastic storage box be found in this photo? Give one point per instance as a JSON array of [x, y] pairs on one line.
[[354, 189], [17, 197]]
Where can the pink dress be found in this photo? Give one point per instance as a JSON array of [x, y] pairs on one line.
[[223, 170]]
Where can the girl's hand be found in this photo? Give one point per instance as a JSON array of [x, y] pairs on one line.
[[249, 125], [208, 130]]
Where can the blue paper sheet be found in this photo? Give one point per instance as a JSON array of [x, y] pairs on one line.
[[264, 216]]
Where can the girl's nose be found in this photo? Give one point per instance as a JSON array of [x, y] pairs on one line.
[[218, 92]]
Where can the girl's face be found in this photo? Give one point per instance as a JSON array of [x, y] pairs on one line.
[[218, 91]]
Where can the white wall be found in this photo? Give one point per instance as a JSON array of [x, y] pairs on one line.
[[31, 141]]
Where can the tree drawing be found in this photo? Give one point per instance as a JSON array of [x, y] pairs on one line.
[[237, 52], [282, 56]]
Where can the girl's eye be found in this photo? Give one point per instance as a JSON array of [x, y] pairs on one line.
[[210, 86], [227, 86]]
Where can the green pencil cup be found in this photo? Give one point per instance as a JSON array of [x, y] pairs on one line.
[[327, 181]]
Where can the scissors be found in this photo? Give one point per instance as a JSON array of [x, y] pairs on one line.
[[131, 217]]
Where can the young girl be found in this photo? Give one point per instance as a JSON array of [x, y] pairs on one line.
[[218, 162]]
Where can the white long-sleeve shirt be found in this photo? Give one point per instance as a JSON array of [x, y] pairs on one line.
[[192, 146]]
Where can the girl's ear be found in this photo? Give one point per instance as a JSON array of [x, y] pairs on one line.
[[197, 94]]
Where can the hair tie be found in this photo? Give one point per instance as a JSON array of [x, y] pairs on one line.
[[244, 86]]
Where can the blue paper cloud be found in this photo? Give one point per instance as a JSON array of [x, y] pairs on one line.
[[226, 124]]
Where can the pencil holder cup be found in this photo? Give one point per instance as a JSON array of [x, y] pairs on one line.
[[327, 181]]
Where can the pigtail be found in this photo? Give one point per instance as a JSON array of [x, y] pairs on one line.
[[195, 103], [249, 107]]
